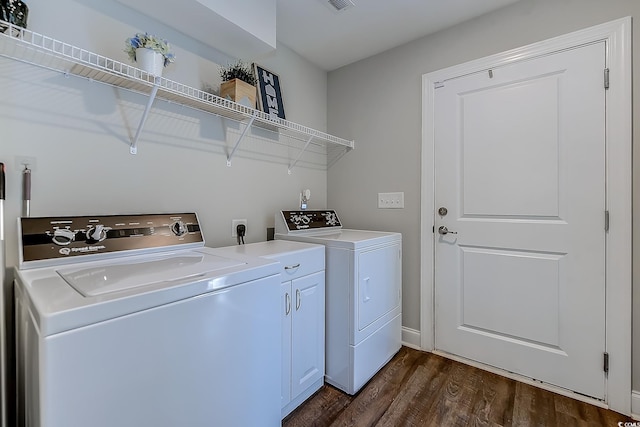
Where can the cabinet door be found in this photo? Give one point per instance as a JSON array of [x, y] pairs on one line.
[[307, 332], [286, 306]]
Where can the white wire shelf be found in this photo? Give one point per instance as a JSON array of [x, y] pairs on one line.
[[36, 49]]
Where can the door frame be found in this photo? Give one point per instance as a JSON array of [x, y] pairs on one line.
[[618, 240]]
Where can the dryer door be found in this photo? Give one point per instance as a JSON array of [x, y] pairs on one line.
[[379, 285]]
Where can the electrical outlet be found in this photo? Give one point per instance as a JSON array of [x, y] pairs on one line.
[[391, 200], [234, 226]]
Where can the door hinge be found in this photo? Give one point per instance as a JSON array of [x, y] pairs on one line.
[[606, 78], [433, 229], [606, 220], [606, 363]]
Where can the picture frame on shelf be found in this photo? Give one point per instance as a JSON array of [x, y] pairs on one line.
[[269, 92]]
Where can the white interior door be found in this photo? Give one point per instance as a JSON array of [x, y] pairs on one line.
[[520, 168]]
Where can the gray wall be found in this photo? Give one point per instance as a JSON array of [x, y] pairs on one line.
[[377, 102]]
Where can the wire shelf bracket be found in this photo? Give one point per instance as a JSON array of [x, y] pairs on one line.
[[133, 148], [306, 145], [244, 132]]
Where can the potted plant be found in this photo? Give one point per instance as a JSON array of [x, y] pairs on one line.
[[150, 52], [238, 84], [14, 12]]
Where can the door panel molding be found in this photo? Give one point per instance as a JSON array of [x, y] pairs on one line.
[[617, 36]]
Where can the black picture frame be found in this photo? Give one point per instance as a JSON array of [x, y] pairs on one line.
[[269, 92]]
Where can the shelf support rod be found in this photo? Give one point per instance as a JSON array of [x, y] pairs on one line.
[[300, 154], [244, 132], [133, 148]]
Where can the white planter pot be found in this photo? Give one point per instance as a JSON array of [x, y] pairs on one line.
[[150, 61]]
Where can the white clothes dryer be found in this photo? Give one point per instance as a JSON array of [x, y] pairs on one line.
[[363, 293], [129, 321]]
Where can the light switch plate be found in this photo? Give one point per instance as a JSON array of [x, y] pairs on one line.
[[391, 200]]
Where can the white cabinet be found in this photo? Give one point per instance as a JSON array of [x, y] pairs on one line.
[[302, 303], [302, 339]]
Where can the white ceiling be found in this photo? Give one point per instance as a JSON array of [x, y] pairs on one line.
[[331, 39]]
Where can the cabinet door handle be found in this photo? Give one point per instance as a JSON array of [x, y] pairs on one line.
[[298, 299], [291, 267], [287, 303]]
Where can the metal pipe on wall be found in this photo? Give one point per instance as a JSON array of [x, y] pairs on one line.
[[3, 332], [26, 191]]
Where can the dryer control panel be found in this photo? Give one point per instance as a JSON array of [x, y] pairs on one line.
[[60, 238], [299, 221]]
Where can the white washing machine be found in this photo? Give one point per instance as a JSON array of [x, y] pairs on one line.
[[129, 321], [363, 293]]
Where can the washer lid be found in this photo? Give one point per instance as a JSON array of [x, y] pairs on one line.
[[104, 279]]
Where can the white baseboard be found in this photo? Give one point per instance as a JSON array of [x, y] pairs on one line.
[[635, 404], [411, 338]]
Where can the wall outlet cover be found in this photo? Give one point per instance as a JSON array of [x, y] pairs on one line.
[[234, 226]]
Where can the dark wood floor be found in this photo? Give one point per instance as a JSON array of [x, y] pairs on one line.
[[423, 389]]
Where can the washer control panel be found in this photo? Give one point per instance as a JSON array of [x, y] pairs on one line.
[[50, 238]]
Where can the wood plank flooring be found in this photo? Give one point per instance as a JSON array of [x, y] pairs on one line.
[[423, 389]]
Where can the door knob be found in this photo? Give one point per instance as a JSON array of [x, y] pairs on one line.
[[444, 230]]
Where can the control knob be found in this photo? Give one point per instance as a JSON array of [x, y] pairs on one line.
[[179, 228], [63, 236], [96, 234]]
